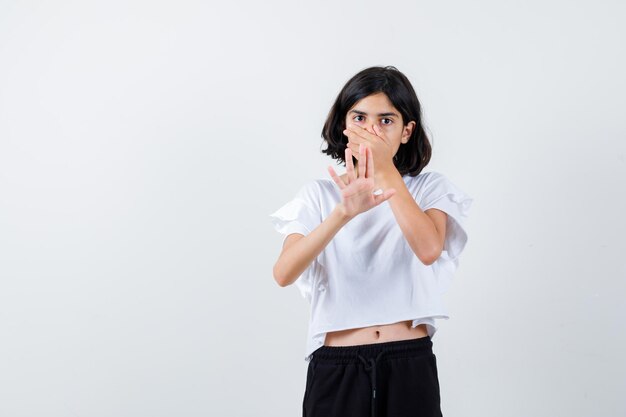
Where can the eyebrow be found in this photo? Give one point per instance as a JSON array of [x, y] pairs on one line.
[[379, 114]]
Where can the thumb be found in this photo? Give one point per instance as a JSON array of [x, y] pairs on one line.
[[386, 195]]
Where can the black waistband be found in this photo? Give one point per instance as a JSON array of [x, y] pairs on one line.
[[393, 349]]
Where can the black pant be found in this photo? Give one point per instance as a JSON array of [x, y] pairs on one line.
[[394, 379]]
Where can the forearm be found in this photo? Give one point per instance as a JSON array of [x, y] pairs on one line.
[[417, 227], [298, 256]]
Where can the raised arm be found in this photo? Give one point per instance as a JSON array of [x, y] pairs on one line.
[[357, 196]]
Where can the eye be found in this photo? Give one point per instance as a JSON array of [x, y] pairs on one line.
[[358, 115], [390, 121]]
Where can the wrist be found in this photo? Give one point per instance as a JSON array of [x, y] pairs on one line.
[[340, 212], [387, 176]]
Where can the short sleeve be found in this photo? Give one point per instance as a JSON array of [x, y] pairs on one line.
[[441, 193], [301, 215]]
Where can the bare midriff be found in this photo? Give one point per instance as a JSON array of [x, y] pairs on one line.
[[376, 334]]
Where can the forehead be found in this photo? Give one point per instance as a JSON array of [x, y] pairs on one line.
[[374, 103]]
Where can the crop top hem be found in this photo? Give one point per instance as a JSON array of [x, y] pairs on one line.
[[319, 337]]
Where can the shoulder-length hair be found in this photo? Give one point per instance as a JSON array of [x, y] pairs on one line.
[[411, 157]]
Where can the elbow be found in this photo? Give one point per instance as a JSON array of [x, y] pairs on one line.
[[278, 276], [430, 257]]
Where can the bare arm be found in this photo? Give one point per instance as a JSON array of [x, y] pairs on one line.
[[299, 251], [356, 197], [424, 231]]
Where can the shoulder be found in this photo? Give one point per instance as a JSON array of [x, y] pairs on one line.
[[322, 185], [428, 186], [437, 180], [417, 183], [434, 177], [438, 187], [314, 185], [313, 190], [308, 190]]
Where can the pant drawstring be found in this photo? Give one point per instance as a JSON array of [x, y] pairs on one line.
[[370, 364]]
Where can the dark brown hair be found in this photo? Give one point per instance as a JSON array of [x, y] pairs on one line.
[[412, 156]]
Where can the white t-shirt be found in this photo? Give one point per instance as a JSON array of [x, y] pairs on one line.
[[368, 274]]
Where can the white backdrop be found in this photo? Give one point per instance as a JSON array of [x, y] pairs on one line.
[[143, 145]]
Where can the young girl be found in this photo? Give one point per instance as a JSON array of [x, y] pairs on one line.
[[373, 250]]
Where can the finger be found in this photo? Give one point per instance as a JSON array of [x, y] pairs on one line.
[[389, 193], [355, 150], [386, 195], [370, 163], [362, 133], [362, 159], [349, 166], [368, 136], [354, 135], [336, 178]]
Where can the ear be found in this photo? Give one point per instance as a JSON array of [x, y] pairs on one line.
[[408, 130]]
